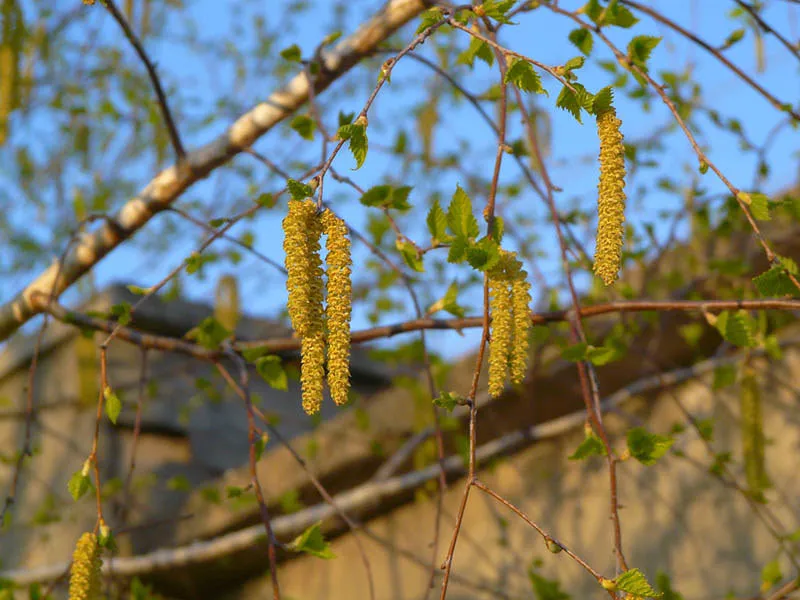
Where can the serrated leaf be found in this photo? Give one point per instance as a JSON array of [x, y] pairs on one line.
[[122, 313], [448, 302], [483, 255], [210, 333], [522, 74], [574, 101], [458, 250], [311, 541], [634, 582], [591, 445], [724, 375], [737, 328], [437, 224], [113, 404], [602, 101], [271, 370], [583, 40], [775, 281], [299, 190], [647, 447], [497, 9], [356, 136], [460, 220], [615, 14], [304, 126], [640, 48]]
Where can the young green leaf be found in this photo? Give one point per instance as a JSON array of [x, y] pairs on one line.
[[522, 74], [304, 126], [647, 447], [312, 542], [356, 136], [634, 582], [737, 328], [292, 53], [272, 371], [640, 48], [591, 445], [113, 404], [477, 49], [410, 254], [776, 281], [437, 224], [78, 485], [460, 220], [483, 255], [299, 190], [583, 40]]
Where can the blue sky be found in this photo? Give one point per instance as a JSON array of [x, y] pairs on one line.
[[540, 35]]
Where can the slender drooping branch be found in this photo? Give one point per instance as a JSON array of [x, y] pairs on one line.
[[167, 186]]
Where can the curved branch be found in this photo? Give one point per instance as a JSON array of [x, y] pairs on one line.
[[168, 185]]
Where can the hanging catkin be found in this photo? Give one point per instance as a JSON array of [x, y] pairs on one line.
[[610, 197], [12, 32], [520, 301], [84, 580], [338, 307]]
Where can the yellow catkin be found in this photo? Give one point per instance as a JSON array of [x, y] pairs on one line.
[[501, 307], [84, 581], [302, 231], [339, 303], [520, 302], [611, 197], [227, 308]]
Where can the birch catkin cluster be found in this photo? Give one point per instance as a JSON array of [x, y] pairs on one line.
[[303, 228], [84, 580], [610, 197], [509, 303]]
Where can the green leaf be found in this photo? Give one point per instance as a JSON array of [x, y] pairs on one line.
[[634, 582], [429, 18], [477, 49], [251, 354], [210, 333], [483, 255], [775, 281], [312, 542], [640, 48], [758, 204], [648, 447], [574, 101], [458, 250], [497, 9], [612, 14], [304, 126], [122, 313], [410, 254], [583, 40], [546, 589], [356, 136], [591, 445], [299, 190], [260, 444], [574, 63], [736, 327], [292, 53], [113, 405], [522, 74], [386, 196], [771, 575], [460, 219], [724, 375], [78, 485], [271, 370], [138, 291], [602, 101], [576, 352], [346, 118], [734, 37], [448, 302], [448, 400], [437, 224]]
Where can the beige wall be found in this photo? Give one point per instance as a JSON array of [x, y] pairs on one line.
[[676, 517]]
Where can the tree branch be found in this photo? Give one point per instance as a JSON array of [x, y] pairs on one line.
[[168, 185]]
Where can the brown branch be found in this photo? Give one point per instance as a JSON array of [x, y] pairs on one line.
[[767, 28], [154, 79]]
